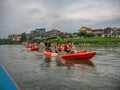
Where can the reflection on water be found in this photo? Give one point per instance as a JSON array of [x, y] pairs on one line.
[[33, 71], [47, 61], [79, 63], [69, 63]]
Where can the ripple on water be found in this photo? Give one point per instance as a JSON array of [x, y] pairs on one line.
[[32, 71]]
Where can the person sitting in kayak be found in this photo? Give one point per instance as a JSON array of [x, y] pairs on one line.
[[68, 47], [30, 45], [47, 46], [58, 47]]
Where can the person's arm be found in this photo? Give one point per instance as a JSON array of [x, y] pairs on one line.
[[45, 44], [56, 49], [49, 44]]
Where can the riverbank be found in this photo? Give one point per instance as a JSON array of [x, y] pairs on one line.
[[8, 42], [89, 40], [80, 41]]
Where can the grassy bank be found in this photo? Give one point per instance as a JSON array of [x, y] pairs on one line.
[[88, 40]]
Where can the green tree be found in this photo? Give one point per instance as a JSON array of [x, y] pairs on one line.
[[53, 36], [7, 41], [90, 35], [23, 37], [37, 34], [82, 34], [61, 34], [71, 36], [29, 37]]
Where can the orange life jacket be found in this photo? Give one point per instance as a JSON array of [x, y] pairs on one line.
[[71, 47], [28, 45], [31, 45], [67, 47], [59, 47]]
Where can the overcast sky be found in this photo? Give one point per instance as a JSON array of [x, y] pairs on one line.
[[17, 16]]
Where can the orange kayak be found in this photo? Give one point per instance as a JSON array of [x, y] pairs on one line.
[[49, 54], [46, 53], [82, 55]]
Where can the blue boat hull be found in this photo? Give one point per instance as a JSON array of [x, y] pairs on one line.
[[6, 81]]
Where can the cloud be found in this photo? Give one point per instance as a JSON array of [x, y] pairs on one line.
[[66, 15]]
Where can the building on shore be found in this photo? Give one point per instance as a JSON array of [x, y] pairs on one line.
[[106, 32], [52, 32], [14, 37], [116, 32], [38, 32], [87, 29], [98, 32], [111, 32]]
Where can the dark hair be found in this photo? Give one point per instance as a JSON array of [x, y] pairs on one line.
[[68, 42], [58, 43]]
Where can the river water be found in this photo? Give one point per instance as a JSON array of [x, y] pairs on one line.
[[33, 71]]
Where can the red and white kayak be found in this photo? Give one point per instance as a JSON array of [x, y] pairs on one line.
[[82, 55]]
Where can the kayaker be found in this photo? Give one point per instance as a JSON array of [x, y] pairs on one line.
[[71, 46], [33, 45], [59, 47], [68, 47], [48, 45], [30, 45]]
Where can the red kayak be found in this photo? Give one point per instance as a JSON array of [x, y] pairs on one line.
[[80, 51], [82, 55], [33, 49]]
